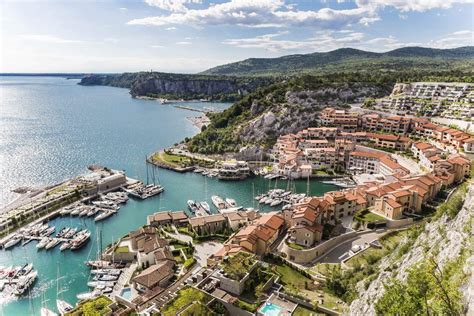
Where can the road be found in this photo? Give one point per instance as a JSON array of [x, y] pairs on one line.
[[337, 254]]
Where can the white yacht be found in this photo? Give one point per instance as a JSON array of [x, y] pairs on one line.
[[43, 242], [231, 202], [218, 202], [12, 242], [53, 243], [47, 312], [63, 307]]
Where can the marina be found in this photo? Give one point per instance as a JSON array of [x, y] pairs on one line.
[[115, 106]]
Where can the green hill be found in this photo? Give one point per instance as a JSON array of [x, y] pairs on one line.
[[354, 60]]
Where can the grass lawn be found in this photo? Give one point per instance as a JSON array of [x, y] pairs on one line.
[[197, 309], [295, 246], [123, 249], [185, 297], [366, 216], [303, 311], [321, 268], [171, 159]]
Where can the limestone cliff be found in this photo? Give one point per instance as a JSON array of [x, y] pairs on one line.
[[443, 237], [177, 86]]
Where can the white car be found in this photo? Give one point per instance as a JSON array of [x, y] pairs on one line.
[[355, 248]]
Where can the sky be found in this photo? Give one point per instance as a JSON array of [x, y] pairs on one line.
[[189, 36]]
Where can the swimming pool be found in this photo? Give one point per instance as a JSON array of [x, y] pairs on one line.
[[126, 293], [270, 309]]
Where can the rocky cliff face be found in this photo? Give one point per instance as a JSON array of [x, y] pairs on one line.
[[444, 237], [300, 110], [207, 87], [178, 85]]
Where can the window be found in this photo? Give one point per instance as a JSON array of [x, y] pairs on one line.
[[307, 234]]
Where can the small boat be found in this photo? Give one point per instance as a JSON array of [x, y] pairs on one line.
[[276, 202], [206, 207], [192, 206], [63, 307], [104, 215], [107, 290], [218, 202], [75, 212], [100, 283], [101, 264], [53, 243], [65, 245], [80, 240], [48, 232], [84, 212], [70, 233], [88, 295], [47, 312], [105, 277], [12, 242], [263, 199], [26, 269], [43, 242], [92, 212], [24, 282], [268, 201], [231, 202], [107, 271], [63, 232]]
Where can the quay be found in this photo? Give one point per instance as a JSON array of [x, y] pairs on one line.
[[190, 108]]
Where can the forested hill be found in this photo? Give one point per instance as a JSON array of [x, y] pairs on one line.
[[353, 60]]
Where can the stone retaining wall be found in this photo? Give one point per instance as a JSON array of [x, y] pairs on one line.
[[310, 254]]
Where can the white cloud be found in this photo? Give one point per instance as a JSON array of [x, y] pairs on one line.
[[322, 41], [456, 39], [157, 46], [46, 38], [411, 5], [123, 9], [260, 13], [172, 5], [184, 43], [111, 40], [171, 28]]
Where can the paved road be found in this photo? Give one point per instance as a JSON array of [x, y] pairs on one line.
[[340, 252]]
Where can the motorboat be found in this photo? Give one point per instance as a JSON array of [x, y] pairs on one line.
[[48, 232], [231, 202], [206, 207], [276, 202], [70, 233], [80, 240], [88, 295], [101, 264], [192, 206], [65, 245], [105, 277], [63, 232], [107, 271], [76, 211], [26, 269], [218, 202], [53, 243], [24, 283], [104, 215], [99, 283], [43, 242], [12, 242], [63, 307]]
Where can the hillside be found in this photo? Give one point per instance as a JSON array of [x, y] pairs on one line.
[[431, 270], [179, 86], [254, 123], [349, 59]]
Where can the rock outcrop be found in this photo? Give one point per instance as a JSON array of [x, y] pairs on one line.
[[178, 85], [443, 237]]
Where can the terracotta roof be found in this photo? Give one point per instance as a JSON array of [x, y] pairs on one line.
[[272, 220], [153, 243], [203, 220], [393, 203], [422, 145], [151, 276], [164, 254], [367, 154]]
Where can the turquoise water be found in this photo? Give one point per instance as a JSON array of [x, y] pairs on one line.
[[271, 310], [52, 129]]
